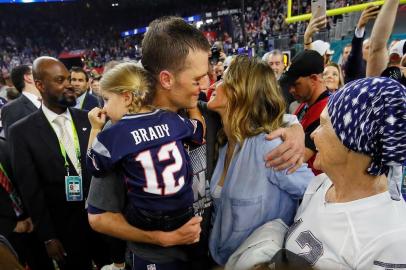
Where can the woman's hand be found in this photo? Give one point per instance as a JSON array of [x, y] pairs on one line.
[[315, 25], [370, 13], [97, 118]]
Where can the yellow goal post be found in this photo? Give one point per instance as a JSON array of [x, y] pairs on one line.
[[332, 12]]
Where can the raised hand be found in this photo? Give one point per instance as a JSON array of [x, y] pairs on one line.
[[370, 13]]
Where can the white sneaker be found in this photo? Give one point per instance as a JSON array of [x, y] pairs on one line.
[[112, 267]]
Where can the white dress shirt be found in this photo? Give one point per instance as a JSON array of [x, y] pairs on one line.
[[50, 115], [33, 98]]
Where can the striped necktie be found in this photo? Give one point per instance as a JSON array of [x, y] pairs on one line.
[[67, 141]]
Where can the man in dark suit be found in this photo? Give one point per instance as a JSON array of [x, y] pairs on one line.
[[80, 82], [48, 151], [15, 224], [25, 104]]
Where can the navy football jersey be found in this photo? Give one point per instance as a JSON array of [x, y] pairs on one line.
[[148, 149]]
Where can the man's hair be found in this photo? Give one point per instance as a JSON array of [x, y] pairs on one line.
[[276, 52], [17, 76], [80, 70], [167, 43]]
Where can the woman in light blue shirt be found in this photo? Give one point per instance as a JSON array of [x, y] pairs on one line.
[[246, 194]]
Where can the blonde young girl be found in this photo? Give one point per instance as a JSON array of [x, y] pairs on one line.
[[145, 145]]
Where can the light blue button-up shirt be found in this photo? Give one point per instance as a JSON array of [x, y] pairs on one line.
[[252, 195]]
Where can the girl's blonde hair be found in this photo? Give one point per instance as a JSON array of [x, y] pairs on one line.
[[255, 102], [129, 77]]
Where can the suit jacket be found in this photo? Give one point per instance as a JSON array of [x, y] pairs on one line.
[[213, 125], [355, 67], [40, 172], [16, 110], [90, 102], [8, 218]]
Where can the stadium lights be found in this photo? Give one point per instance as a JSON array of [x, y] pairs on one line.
[[198, 24]]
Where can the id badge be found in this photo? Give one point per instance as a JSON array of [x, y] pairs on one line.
[[73, 188]]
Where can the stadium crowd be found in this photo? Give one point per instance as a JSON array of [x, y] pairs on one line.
[[22, 40], [172, 151]]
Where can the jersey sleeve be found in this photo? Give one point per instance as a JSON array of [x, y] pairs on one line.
[[295, 183], [98, 159]]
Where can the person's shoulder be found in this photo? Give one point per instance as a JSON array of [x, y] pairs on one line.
[[318, 182], [78, 111], [385, 251], [142, 119], [263, 143], [92, 97], [24, 124], [28, 119], [172, 116], [3, 143], [15, 103], [82, 115]]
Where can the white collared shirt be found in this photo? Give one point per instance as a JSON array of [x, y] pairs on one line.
[[33, 98], [50, 115], [80, 100], [359, 32]]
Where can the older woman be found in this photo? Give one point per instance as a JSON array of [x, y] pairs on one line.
[[333, 77], [246, 194], [353, 217]]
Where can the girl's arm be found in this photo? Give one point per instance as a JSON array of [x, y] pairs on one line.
[[97, 119]]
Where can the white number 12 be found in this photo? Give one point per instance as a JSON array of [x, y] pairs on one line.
[[170, 184]]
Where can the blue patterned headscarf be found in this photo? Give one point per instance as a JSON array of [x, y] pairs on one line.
[[369, 117]]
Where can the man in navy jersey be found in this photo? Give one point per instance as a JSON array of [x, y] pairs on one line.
[[177, 55]]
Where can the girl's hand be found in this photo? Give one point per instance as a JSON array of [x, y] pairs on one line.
[[97, 118]]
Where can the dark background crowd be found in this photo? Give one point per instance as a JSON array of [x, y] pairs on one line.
[[95, 26]]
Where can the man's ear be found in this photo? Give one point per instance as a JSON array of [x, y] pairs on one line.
[[28, 78], [166, 79], [39, 85], [316, 77]]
